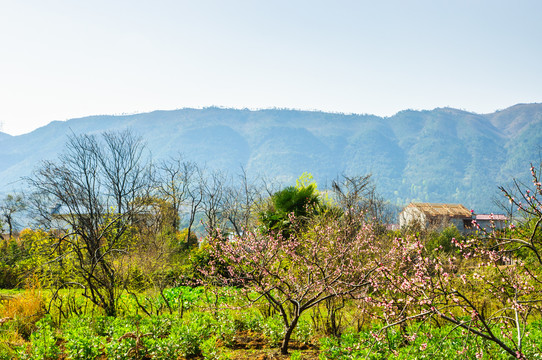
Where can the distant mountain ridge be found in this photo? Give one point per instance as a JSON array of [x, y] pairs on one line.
[[440, 155]]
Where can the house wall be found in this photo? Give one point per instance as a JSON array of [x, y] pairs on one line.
[[411, 215], [486, 224], [459, 224]]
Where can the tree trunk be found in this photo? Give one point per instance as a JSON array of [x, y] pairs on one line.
[[10, 227], [287, 335], [111, 306], [111, 310]]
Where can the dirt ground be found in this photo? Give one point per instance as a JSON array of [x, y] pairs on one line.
[[270, 354], [248, 345]]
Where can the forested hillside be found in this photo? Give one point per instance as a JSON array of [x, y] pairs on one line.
[[442, 155]]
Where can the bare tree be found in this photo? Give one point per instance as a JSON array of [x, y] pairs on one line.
[[11, 205], [358, 195], [175, 182], [124, 171], [239, 202], [353, 192], [94, 192], [213, 188], [194, 196]]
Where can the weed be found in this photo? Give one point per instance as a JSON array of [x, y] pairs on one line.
[[209, 349], [273, 330], [303, 331], [43, 341], [25, 310], [81, 342]]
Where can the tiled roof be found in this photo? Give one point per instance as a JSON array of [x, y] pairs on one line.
[[451, 210]]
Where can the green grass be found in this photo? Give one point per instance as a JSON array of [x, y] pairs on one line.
[[10, 292], [204, 331]]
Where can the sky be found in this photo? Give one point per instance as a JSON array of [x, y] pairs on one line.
[[66, 59]]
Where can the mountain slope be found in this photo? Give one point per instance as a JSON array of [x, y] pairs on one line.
[[442, 155]]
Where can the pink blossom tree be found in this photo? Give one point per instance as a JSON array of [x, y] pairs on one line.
[[491, 289], [297, 273]]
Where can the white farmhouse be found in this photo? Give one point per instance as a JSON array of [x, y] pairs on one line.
[[436, 215]]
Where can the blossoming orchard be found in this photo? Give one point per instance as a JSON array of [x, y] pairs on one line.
[[488, 287], [131, 259]]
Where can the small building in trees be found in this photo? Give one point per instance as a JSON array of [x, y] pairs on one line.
[[491, 221], [427, 215]]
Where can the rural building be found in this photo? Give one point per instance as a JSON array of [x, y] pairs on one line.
[[440, 215], [488, 221], [436, 215]]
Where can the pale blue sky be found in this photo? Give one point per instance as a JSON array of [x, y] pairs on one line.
[[65, 59]]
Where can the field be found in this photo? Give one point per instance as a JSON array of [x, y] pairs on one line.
[[122, 270], [204, 324]]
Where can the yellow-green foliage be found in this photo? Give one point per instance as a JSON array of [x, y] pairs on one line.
[[37, 241], [116, 230], [15, 262], [304, 181], [182, 241], [43, 248]]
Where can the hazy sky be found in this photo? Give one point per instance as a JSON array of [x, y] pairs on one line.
[[65, 59]]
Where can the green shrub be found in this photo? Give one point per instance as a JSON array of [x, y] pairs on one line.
[[273, 330], [138, 280], [121, 346], [44, 342], [81, 342], [442, 241], [209, 349], [250, 321], [190, 340], [227, 328], [158, 326], [6, 353], [100, 325], [303, 331], [120, 349], [190, 336], [184, 296], [163, 348]]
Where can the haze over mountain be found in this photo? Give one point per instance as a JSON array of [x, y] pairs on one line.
[[441, 155]]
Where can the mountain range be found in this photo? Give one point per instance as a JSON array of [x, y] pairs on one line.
[[443, 155]]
